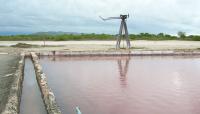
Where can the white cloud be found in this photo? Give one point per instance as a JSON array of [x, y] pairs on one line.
[[154, 16]]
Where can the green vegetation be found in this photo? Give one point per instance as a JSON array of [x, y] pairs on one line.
[[64, 37], [181, 34], [147, 36], [67, 37]]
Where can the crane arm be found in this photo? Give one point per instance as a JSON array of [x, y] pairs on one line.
[[109, 18]]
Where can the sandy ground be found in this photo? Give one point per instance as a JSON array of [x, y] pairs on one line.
[[102, 45], [8, 67]]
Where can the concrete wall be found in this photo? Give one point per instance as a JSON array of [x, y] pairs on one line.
[[119, 53], [47, 94], [13, 104]]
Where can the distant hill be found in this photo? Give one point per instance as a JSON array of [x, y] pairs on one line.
[[55, 33]]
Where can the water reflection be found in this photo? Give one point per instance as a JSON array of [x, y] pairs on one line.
[[53, 58], [54, 54], [122, 63], [106, 83], [123, 69]]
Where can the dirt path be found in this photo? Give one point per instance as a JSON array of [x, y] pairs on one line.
[[104, 45]]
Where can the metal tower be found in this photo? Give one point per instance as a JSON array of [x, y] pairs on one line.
[[123, 31]]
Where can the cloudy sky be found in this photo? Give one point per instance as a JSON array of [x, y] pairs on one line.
[[153, 16]]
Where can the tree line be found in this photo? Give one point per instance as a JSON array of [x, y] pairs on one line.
[[67, 37]]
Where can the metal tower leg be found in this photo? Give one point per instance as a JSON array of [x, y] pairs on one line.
[[126, 36], [119, 36]]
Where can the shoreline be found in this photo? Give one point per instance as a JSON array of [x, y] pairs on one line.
[[118, 53], [107, 48]]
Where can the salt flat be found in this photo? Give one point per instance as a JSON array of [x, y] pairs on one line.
[[98, 45]]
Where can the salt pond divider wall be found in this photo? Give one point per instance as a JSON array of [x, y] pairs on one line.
[[13, 104], [47, 94], [121, 53]]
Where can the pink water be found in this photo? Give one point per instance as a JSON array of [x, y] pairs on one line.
[[125, 85]]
